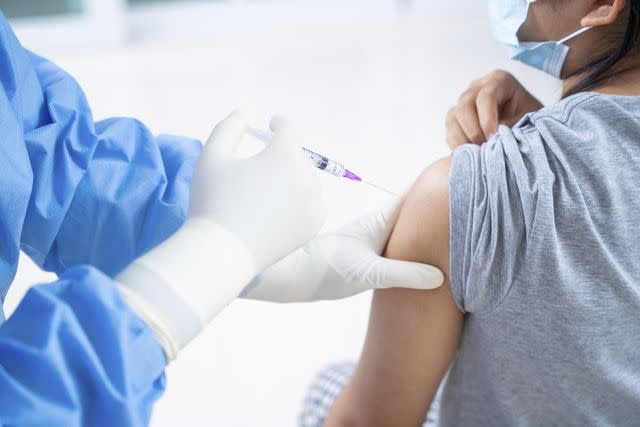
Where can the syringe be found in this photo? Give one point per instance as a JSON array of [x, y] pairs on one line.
[[323, 163], [330, 166]]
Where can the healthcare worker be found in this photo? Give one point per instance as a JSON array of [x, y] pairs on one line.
[[151, 237]]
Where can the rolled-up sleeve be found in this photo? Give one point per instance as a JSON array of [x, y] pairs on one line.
[[493, 195]]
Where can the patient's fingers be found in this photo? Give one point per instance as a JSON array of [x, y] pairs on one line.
[[467, 116], [455, 134]]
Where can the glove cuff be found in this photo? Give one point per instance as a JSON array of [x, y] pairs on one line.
[[181, 285]]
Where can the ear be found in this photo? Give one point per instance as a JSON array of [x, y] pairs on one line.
[[604, 13]]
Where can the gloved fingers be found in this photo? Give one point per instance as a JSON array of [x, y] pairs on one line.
[[251, 287], [319, 204], [282, 142], [376, 228], [388, 217], [391, 212], [285, 139], [286, 149], [279, 124], [405, 274], [227, 135]]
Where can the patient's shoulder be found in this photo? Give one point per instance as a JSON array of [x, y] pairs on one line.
[[434, 181], [422, 230]]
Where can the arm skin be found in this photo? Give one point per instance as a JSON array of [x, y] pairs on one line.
[[413, 335]]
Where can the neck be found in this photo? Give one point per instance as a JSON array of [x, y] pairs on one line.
[[625, 81]]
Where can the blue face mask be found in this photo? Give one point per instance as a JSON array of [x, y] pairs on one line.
[[507, 16]]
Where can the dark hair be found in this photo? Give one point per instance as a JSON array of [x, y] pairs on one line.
[[604, 67]]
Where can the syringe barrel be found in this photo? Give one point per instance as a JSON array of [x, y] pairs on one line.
[[319, 161], [324, 163]]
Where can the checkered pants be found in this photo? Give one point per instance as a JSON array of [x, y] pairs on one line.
[[326, 387]]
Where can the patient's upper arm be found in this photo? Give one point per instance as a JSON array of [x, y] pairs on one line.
[[413, 335]]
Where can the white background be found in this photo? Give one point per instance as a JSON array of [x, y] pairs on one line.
[[368, 83]]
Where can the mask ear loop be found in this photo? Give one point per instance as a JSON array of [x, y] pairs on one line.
[[574, 35]]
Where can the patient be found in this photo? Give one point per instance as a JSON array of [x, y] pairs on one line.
[[537, 233], [538, 239]]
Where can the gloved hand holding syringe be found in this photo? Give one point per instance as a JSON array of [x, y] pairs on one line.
[[322, 162]]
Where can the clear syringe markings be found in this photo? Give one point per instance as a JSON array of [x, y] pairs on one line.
[[324, 163]]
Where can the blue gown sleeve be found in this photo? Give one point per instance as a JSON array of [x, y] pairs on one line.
[[73, 354], [98, 193], [75, 192]]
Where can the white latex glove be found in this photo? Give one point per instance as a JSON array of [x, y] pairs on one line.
[[245, 214], [342, 264]]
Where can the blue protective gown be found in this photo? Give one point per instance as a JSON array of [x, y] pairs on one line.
[[75, 193]]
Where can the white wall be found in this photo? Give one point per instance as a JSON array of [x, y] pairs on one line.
[[371, 89]]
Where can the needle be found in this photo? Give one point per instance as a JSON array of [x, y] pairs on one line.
[[379, 188]]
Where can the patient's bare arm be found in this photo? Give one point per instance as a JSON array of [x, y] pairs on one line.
[[413, 335]]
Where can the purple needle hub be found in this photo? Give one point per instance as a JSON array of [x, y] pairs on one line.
[[352, 176]]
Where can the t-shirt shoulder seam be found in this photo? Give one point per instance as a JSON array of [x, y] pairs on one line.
[[568, 109]]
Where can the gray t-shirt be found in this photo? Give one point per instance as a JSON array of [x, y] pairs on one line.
[[545, 250]]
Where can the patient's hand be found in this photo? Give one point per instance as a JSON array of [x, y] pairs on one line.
[[413, 335], [497, 98]]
